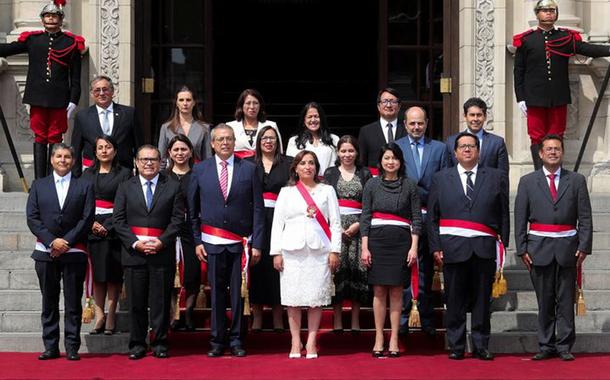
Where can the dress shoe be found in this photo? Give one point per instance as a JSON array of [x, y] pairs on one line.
[[429, 331], [483, 354], [393, 354], [544, 355], [338, 331], [456, 355], [72, 356], [311, 356], [378, 354], [216, 352], [566, 356], [161, 354], [294, 355], [137, 353], [279, 330], [238, 351], [98, 330], [355, 331], [49, 354]]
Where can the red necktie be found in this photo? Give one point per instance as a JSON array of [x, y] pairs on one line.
[[552, 186], [224, 179]]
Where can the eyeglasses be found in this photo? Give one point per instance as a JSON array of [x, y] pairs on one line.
[[552, 149], [547, 10], [268, 138], [224, 139], [148, 160], [466, 146], [101, 90], [388, 102]]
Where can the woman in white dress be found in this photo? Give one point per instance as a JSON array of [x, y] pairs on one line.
[[315, 137], [250, 118], [305, 243]]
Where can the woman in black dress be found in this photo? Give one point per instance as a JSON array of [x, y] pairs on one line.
[[180, 153], [104, 246], [390, 227], [273, 170], [348, 178]]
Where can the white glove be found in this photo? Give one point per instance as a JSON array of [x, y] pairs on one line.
[[70, 109], [523, 107]]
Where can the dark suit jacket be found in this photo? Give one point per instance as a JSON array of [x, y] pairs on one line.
[[535, 205], [166, 213], [370, 140], [71, 223], [125, 131], [243, 212], [489, 207], [493, 152], [435, 158]]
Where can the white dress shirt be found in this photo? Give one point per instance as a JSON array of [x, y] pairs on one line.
[[479, 136], [143, 181], [384, 128], [548, 180], [464, 176], [62, 184], [230, 166], [327, 155], [100, 114]]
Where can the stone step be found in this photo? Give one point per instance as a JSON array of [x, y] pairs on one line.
[[11, 260], [29, 321], [519, 279], [506, 321], [13, 221], [595, 300], [521, 342], [16, 241], [19, 279], [32, 342], [13, 202], [23, 300], [600, 259]]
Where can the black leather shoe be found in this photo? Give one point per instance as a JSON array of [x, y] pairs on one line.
[[136, 354], [161, 354], [544, 355], [49, 354], [216, 352], [238, 351], [378, 354], [566, 356], [456, 355], [483, 354], [72, 356], [393, 354], [429, 331]]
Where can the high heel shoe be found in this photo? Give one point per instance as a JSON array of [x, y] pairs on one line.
[[311, 356], [394, 354], [294, 355], [98, 330], [378, 354]]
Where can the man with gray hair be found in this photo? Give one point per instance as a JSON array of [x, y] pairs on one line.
[[105, 117]]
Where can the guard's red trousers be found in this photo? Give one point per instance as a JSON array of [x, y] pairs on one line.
[[542, 121], [48, 124]]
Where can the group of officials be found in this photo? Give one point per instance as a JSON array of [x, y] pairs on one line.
[[462, 185]]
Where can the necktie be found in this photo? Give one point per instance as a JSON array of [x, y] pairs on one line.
[[224, 179], [62, 193], [552, 186], [106, 122], [149, 195], [390, 134], [469, 186], [416, 157]]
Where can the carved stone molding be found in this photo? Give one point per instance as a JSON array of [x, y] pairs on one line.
[[484, 54], [109, 57], [22, 117], [572, 127]]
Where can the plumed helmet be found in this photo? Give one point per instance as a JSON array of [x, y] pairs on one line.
[[54, 7], [542, 4]]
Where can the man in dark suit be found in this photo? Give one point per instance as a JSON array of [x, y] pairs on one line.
[[226, 206], [372, 136], [60, 213], [148, 213], [468, 217], [423, 157], [542, 85], [553, 234], [52, 87], [493, 149], [105, 118]]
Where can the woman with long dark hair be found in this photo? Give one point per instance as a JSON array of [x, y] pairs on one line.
[[104, 246], [314, 136]]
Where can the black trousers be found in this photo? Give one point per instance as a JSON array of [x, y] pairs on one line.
[[147, 287], [468, 284], [50, 275], [425, 261], [224, 269], [555, 291]]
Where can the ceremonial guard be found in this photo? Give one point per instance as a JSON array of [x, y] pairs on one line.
[[541, 73], [52, 88]]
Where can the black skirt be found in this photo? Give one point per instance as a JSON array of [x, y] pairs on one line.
[[389, 246], [106, 260]]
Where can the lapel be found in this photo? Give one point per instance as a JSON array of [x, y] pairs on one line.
[[69, 194], [213, 169], [137, 190], [95, 120], [236, 168], [544, 186], [117, 118], [53, 191], [481, 174], [426, 155], [409, 159], [564, 183], [161, 182], [379, 134], [456, 183]]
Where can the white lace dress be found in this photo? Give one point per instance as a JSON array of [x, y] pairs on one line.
[[306, 279]]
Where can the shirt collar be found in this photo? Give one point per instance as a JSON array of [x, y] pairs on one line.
[[546, 172], [100, 109], [417, 142], [57, 177], [229, 160], [479, 134], [461, 169], [154, 180], [384, 122]]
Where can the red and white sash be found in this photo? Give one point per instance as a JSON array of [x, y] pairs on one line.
[[146, 233], [87, 162], [270, 199], [468, 229], [103, 207], [218, 236], [318, 221], [349, 207], [552, 230], [80, 248], [244, 153], [386, 219]]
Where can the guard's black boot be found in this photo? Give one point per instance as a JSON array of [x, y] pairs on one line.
[[40, 160], [535, 148]]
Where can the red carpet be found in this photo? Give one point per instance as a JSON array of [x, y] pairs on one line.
[[341, 357]]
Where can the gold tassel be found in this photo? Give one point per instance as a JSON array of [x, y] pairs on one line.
[[177, 308], [503, 284], [495, 289], [88, 311], [123, 296], [581, 308], [414, 320], [177, 283], [244, 292], [201, 302], [436, 280]]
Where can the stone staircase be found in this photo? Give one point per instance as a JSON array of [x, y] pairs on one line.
[[513, 320]]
